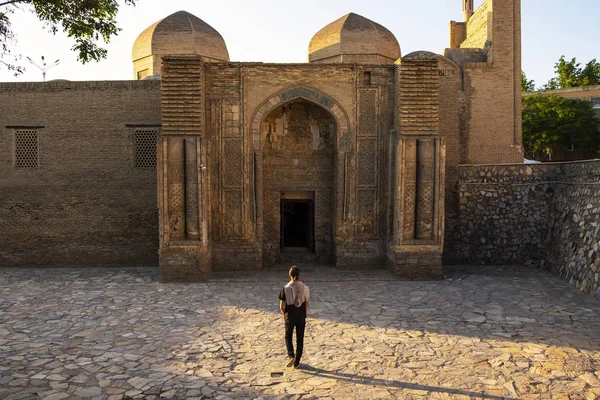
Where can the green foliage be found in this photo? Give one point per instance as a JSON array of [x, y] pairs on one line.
[[570, 74], [526, 85], [551, 122], [87, 22]]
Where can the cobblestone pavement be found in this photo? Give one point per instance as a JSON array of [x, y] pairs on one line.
[[117, 333]]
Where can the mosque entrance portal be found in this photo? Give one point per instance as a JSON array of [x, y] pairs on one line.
[[298, 161]]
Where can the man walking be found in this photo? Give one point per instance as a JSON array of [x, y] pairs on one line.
[[293, 304]]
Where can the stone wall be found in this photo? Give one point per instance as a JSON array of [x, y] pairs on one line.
[[573, 249], [543, 215], [89, 201]]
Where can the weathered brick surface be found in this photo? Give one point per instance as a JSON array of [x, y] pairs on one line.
[[449, 109], [184, 264], [180, 33], [354, 39], [545, 215], [236, 95], [184, 196], [492, 118], [222, 172], [479, 27], [86, 204], [416, 265]]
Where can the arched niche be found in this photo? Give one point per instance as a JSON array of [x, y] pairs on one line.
[[300, 137]]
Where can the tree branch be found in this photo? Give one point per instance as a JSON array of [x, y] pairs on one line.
[[6, 3]]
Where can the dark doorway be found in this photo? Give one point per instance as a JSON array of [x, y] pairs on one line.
[[297, 224]]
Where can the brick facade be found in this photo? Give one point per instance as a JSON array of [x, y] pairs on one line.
[[86, 204], [368, 149]]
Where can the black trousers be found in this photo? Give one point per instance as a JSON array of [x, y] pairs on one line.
[[300, 325]]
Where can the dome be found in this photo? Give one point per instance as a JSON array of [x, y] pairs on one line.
[[354, 39], [178, 34]]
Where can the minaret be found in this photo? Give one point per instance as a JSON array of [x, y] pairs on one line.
[[467, 9]]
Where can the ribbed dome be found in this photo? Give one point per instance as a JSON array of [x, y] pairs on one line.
[[354, 39], [178, 34]]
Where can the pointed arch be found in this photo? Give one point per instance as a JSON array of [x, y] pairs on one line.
[[301, 92]]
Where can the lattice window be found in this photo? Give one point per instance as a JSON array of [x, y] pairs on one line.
[[26, 148], [145, 148]]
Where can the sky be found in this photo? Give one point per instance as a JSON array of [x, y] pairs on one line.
[[280, 31]]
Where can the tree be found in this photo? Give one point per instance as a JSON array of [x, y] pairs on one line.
[[87, 22], [551, 122], [570, 74], [526, 85]]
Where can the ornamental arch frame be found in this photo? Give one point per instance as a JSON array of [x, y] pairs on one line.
[[345, 143]]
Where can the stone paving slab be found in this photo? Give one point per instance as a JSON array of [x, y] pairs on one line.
[[483, 332]]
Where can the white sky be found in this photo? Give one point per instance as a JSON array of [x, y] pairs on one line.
[[279, 31]]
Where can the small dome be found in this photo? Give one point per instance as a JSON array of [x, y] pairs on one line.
[[178, 34], [354, 39]]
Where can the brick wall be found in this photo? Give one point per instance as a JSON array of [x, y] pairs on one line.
[[479, 27], [294, 160], [492, 88], [234, 94], [455, 142], [86, 204], [544, 215]]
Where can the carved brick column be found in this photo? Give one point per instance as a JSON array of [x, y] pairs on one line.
[[415, 250], [183, 196]]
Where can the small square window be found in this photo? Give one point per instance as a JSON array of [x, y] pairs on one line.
[[26, 148], [145, 148]]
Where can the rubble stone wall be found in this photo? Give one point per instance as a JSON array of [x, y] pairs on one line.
[[543, 215]]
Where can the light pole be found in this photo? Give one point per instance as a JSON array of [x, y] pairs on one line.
[[44, 67]]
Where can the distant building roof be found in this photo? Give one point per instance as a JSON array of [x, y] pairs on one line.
[[593, 90]]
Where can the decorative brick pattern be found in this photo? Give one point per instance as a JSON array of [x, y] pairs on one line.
[[409, 158], [416, 249], [26, 148], [232, 170], [425, 199], [232, 225], [367, 163], [176, 182], [183, 198], [419, 95], [182, 95], [192, 211], [367, 115], [145, 148]]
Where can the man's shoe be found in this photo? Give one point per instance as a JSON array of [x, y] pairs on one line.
[[290, 362], [296, 365]]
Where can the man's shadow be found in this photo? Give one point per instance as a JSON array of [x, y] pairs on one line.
[[365, 380]]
